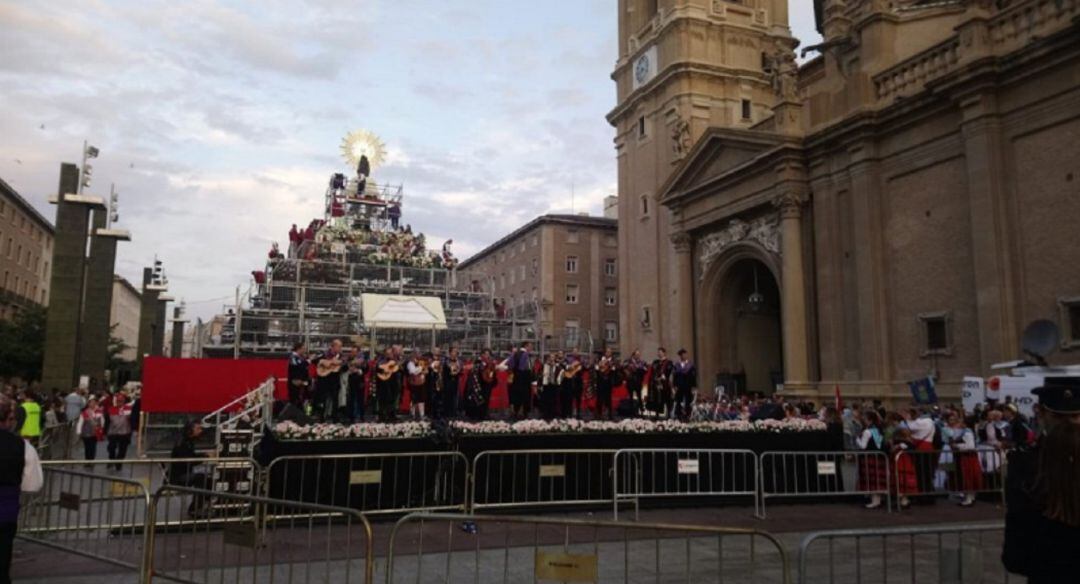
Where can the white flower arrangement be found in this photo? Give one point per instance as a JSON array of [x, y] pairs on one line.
[[293, 431]]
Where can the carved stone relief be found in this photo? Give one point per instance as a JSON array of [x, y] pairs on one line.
[[764, 231]]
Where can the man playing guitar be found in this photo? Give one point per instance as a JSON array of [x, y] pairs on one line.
[[299, 375], [329, 368], [451, 377], [571, 387], [635, 369], [605, 372], [660, 395], [387, 384]]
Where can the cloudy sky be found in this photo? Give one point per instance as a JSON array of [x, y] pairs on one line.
[[219, 122]]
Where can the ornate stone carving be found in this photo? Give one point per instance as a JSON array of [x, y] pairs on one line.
[[790, 203], [680, 138], [682, 242], [784, 75], [763, 231]]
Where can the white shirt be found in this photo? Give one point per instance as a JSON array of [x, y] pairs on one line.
[[32, 479], [922, 429]]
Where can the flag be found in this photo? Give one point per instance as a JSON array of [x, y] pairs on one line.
[[91, 152], [839, 400]]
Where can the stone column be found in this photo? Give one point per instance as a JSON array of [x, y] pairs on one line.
[[177, 349], [147, 316], [62, 327], [157, 346], [97, 316], [793, 289], [684, 290]]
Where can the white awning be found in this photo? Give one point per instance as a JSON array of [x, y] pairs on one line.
[[404, 312]]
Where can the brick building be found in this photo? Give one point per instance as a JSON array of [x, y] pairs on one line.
[[26, 241], [563, 267]]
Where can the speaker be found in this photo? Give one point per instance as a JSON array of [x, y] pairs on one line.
[[291, 413]]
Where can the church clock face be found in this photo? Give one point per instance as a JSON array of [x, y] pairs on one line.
[[642, 69]]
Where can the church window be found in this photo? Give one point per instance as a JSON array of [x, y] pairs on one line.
[[937, 336], [746, 109], [644, 206], [1070, 325], [642, 131], [646, 317]]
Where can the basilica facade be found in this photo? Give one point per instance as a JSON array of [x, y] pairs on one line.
[[898, 206]]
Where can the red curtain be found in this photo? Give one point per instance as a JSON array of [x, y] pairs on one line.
[[201, 386]]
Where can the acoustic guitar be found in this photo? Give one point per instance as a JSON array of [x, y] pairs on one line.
[[572, 370], [328, 367], [387, 370]]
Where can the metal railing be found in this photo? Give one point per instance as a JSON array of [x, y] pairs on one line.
[[268, 540], [95, 516], [672, 473], [153, 473], [373, 483], [539, 478], [432, 547], [944, 472], [957, 553], [796, 474]]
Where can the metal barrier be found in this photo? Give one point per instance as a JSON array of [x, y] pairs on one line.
[[95, 516], [956, 553], [236, 475], [373, 483], [277, 541], [538, 478], [659, 472], [798, 474], [941, 472], [431, 547]]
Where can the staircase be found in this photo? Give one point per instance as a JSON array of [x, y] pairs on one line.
[[238, 424]]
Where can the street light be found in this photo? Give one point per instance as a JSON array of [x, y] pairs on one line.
[[114, 205], [87, 170]]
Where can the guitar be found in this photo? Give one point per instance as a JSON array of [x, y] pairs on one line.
[[387, 370], [328, 367], [572, 370], [488, 372], [420, 378]]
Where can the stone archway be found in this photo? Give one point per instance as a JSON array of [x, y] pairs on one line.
[[742, 342]]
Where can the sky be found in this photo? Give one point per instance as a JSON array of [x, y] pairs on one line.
[[220, 122]]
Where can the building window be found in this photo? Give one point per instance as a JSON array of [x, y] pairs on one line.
[[611, 332], [535, 240], [571, 293], [521, 247], [937, 334], [609, 267], [502, 281], [513, 272], [522, 270], [10, 247], [571, 264], [611, 296], [646, 317], [746, 109], [644, 206], [611, 241], [572, 327], [1070, 321], [572, 236], [642, 133], [535, 295], [535, 266]]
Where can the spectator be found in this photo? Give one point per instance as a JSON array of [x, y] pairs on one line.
[[74, 403], [90, 428], [872, 469], [20, 472], [182, 472], [119, 429], [29, 422]]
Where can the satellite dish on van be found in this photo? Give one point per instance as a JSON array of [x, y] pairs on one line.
[[1040, 340]]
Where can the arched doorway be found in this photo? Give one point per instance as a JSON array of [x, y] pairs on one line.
[[747, 338]]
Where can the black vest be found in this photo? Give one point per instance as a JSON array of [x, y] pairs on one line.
[[12, 461]]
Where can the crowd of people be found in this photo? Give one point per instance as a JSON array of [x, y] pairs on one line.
[[55, 421]]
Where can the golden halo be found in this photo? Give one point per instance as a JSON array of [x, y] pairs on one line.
[[363, 143]]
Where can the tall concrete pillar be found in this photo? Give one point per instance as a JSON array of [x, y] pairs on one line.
[[93, 355], [793, 290], [62, 325], [158, 346], [147, 316], [177, 349]]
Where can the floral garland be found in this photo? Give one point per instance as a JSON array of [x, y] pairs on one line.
[[293, 431]]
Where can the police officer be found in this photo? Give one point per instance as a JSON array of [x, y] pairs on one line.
[[1042, 491]]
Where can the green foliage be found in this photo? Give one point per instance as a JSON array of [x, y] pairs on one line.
[[22, 344]]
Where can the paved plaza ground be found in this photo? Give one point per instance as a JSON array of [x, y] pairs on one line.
[[504, 552]]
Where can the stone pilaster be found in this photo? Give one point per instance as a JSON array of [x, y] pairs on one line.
[[793, 288], [684, 291], [147, 316]]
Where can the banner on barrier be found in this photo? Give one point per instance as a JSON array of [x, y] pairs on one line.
[[563, 567], [552, 470], [826, 467], [688, 466]]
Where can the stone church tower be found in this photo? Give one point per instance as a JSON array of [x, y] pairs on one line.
[[684, 66]]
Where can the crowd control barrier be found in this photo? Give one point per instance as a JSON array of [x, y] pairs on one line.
[[797, 474], [484, 548], [541, 478], [373, 483], [948, 554], [950, 471], [673, 473]]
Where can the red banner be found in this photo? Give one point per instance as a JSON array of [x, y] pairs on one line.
[[200, 386]]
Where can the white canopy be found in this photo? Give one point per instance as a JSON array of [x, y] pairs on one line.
[[404, 312]]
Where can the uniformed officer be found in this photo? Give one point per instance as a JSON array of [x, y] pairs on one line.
[[1042, 491]]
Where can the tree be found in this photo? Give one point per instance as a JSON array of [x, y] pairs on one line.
[[115, 360], [22, 344]]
